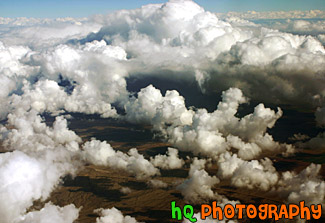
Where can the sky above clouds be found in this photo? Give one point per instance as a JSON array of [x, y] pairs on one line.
[[81, 8]]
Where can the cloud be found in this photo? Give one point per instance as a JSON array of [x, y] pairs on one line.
[[157, 184], [220, 54], [78, 87], [168, 161], [101, 153], [295, 14], [198, 187], [113, 216], [207, 133], [26, 179], [248, 174], [52, 214], [316, 142], [32, 135], [303, 26], [321, 38], [152, 108], [300, 26], [299, 137], [38, 33], [307, 186], [37, 157], [194, 44], [125, 190]]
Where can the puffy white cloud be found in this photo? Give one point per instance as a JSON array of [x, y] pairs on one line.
[[307, 186], [12, 71], [250, 174], [168, 161], [225, 53], [31, 134], [40, 98], [101, 153], [182, 37], [153, 108], [207, 133], [40, 157], [113, 216], [194, 43], [92, 75], [10, 60], [198, 187], [52, 214], [96, 68], [25, 179]]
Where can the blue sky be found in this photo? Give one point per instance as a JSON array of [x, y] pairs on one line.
[[81, 8]]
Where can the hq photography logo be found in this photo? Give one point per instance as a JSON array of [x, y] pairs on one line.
[[262, 211]]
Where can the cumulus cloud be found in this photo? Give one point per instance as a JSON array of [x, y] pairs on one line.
[[96, 71], [249, 174], [198, 187], [307, 186], [207, 133], [30, 133], [31, 177], [12, 72], [219, 54], [72, 78], [195, 43], [113, 216], [152, 108], [168, 161], [52, 214], [37, 158], [101, 153]]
